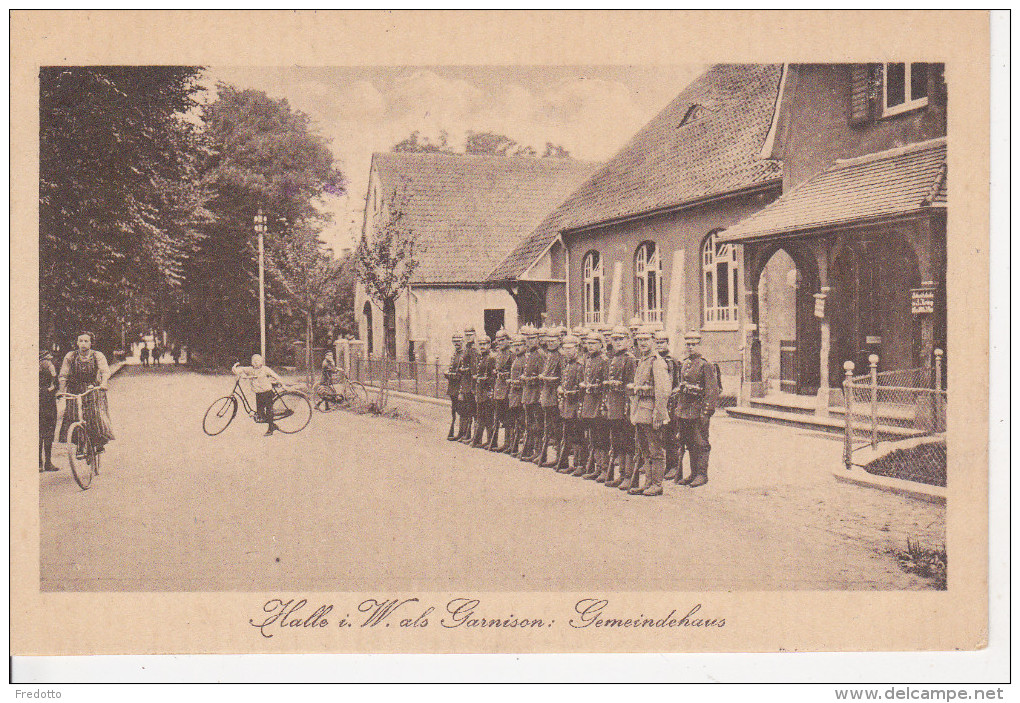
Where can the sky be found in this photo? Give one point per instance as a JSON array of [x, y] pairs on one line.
[[590, 110]]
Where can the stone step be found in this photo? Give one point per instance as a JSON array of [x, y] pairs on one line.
[[832, 425], [782, 405]]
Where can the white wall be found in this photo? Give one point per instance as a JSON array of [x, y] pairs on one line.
[[435, 314]]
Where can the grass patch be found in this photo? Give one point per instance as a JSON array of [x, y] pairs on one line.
[[925, 463], [929, 563]]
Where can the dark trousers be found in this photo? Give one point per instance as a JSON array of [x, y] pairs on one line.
[[621, 433], [533, 420], [692, 435], [483, 418], [551, 423], [649, 446], [669, 445], [264, 407]]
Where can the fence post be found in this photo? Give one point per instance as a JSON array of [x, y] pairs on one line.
[[414, 365], [848, 399], [740, 387], [873, 361]]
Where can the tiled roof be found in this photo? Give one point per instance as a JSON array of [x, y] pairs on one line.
[[670, 162], [469, 212], [531, 247], [887, 183]]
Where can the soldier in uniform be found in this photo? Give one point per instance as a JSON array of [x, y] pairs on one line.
[[569, 395], [619, 375], [482, 375], [652, 385], [552, 371], [669, 428], [534, 362], [466, 399], [500, 389], [515, 408], [697, 388], [593, 415], [453, 382], [634, 326]]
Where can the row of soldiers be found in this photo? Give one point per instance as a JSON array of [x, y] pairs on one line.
[[608, 413]]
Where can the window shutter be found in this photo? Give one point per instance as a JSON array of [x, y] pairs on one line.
[[865, 92]]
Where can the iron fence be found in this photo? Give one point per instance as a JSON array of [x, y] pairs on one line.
[[417, 377], [905, 408]]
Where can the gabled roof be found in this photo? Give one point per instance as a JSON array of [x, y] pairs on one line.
[[469, 212], [670, 163], [885, 184]]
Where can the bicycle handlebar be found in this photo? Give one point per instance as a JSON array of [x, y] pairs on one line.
[[84, 393]]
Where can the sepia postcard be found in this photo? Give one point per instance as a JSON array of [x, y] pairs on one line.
[[488, 332]]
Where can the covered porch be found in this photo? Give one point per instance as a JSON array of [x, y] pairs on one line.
[[845, 267]]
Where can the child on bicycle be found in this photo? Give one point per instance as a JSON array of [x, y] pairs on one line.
[[262, 380]]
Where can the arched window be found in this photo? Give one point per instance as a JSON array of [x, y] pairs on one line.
[[719, 282], [648, 283], [593, 293]]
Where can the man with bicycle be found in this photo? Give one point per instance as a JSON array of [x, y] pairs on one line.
[[262, 379]]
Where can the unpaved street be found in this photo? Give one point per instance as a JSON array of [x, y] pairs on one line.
[[355, 503]]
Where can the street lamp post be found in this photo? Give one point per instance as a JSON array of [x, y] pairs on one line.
[[260, 228]]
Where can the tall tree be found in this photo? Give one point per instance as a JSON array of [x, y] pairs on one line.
[[417, 143], [311, 279], [119, 206], [478, 144], [386, 259], [256, 153]]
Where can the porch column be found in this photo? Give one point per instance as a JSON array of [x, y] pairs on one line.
[[614, 315], [676, 310], [822, 313], [923, 244], [750, 385]]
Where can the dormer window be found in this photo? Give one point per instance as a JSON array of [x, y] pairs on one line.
[[694, 113], [904, 87]]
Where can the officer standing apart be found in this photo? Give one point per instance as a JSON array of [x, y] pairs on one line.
[[453, 382], [652, 385], [698, 391], [669, 429], [619, 375], [466, 400], [500, 389]]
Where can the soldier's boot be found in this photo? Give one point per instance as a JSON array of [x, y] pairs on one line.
[[680, 479], [508, 432], [465, 437], [700, 465], [672, 468], [561, 453], [633, 473], [476, 438], [513, 439], [563, 458], [581, 460], [538, 458], [656, 471], [493, 436], [606, 470], [620, 471], [635, 483], [452, 434], [520, 451], [594, 466]]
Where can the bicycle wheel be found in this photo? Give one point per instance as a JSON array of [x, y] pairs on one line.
[[325, 398], [291, 412], [355, 391], [80, 454], [219, 415]]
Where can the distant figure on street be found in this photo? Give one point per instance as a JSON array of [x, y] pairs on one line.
[[175, 352], [262, 379], [144, 354], [157, 352], [47, 410]]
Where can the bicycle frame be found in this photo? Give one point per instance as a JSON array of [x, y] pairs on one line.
[[78, 398], [239, 391]]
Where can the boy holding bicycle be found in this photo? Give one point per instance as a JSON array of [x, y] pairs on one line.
[[262, 380]]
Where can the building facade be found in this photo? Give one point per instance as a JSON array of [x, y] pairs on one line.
[[466, 214], [858, 235]]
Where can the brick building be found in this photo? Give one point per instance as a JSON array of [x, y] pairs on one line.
[[639, 237], [850, 260]]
